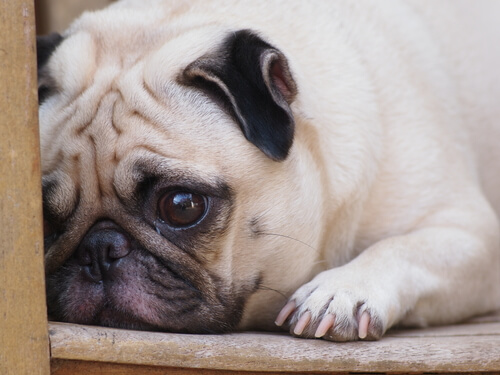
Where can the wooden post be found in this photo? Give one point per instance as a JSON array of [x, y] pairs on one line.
[[24, 346]]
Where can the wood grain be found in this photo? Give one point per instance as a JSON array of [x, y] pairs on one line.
[[471, 347], [24, 345]]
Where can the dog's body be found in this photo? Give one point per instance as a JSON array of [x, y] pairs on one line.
[[344, 149]]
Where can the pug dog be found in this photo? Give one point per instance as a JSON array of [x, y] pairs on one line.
[[327, 167]]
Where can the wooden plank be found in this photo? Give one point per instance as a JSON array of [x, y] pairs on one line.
[[462, 348], [24, 345]]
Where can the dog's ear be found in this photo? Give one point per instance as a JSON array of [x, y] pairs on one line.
[[45, 46], [253, 81]]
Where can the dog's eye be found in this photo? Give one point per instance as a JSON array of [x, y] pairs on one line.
[[181, 208]]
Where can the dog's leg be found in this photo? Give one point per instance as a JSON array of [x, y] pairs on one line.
[[433, 275]]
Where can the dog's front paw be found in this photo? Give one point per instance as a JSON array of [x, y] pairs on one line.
[[336, 310]]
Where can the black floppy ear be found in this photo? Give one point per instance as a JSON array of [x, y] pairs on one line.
[[45, 46], [253, 80]]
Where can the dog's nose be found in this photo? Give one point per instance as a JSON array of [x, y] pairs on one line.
[[101, 250]]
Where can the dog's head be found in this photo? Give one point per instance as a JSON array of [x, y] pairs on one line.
[[171, 180]]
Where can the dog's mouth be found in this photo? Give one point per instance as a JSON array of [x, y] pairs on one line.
[[110, 280]]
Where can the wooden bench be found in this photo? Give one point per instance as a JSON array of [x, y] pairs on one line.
[[468, 347], [31, 345]]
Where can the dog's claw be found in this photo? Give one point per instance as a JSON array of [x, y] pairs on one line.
[[364, 322], [326, 323], [302, 323], [285, 313]]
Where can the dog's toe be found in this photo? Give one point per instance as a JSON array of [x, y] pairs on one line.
[[330, 326], [336, 314]]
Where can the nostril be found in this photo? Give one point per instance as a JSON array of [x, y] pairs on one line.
[[120, 248], [93, 273]]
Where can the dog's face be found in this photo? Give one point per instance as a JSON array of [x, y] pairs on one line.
[[171, 178]]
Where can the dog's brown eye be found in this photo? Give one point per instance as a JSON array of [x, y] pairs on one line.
[[181, 209]]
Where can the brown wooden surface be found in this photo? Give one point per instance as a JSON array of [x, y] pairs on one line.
[[471, 347], [24, 345]]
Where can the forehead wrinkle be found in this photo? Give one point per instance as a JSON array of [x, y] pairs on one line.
[[102, 135], [65, 122], [133, 109]]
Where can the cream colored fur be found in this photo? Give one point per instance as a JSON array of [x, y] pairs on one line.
[[387, 200]]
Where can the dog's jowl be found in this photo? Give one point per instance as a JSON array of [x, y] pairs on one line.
[[326, 167]]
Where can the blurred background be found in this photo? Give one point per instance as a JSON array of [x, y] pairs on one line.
[[56, 15]]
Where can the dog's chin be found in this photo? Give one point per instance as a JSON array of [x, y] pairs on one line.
[[140, 294]]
